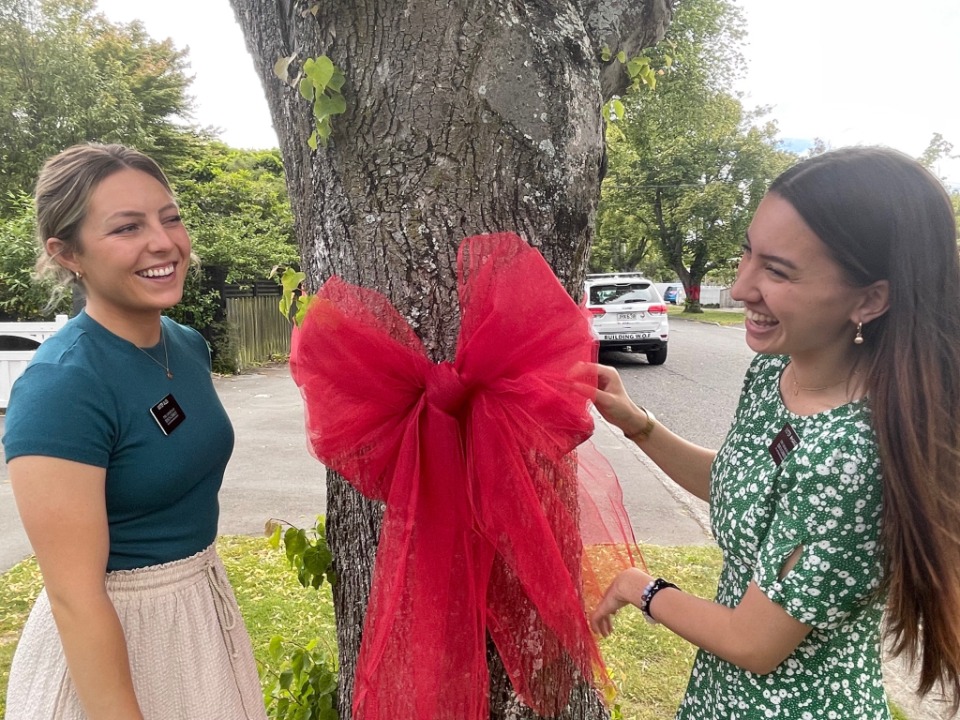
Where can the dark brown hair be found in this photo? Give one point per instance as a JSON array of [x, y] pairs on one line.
[[883, 216]]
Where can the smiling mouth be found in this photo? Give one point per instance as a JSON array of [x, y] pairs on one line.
[[160, 272], [760, 319]]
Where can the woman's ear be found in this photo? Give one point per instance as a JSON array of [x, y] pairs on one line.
[[60, 253], [874, 302]]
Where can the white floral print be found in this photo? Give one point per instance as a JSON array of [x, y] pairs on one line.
[[825, 498]]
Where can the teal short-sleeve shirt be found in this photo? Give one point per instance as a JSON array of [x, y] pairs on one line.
[[86, 396], [825, 497]]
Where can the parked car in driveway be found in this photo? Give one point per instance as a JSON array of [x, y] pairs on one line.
[[628, 314], [671, 295]]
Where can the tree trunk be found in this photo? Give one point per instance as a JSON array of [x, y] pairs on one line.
[[463, 117]]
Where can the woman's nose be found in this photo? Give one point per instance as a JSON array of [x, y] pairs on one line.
[[742, 284]]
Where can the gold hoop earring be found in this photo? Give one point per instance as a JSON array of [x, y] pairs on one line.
[[858, 338]]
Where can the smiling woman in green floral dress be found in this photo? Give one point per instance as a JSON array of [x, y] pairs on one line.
[[834, 496]]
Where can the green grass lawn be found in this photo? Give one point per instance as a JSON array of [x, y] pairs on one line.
[[650, 665], [709, 315]]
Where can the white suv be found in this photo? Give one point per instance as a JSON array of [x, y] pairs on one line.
[[628, 313]]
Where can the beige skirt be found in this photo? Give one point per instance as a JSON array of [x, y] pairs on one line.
[[190, 655]]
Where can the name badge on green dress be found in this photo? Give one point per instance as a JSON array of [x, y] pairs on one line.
[[785, 441]]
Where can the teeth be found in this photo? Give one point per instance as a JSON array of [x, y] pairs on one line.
[[157, 272], [759, 319]]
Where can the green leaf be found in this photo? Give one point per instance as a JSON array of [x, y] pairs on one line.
[[306, 88], [618, 109], [295, 542], [326, 105], [316, 559], [323, 130], [275, 648], [637, 65], [312, 140], [302, 304], [274, 538], [337, 81], [291, 279], [320, 71], [286, 678], [622, 56], [606, 54]]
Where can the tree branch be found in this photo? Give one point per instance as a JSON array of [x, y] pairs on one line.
[[625, 25]]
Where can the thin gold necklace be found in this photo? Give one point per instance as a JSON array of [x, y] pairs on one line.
[[797, 387], [166, 358]]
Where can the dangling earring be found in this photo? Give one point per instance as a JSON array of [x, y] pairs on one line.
[[78, 275], [858, 338]]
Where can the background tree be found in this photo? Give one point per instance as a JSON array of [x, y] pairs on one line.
[[460, 118], [234, 203], [68, 75], [22, 296], [688, 164]]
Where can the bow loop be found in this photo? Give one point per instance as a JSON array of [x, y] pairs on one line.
[[446, 390]]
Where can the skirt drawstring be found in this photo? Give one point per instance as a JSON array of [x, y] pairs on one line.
[[221, 600]]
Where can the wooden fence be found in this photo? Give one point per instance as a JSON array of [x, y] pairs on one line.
[[259, 330]]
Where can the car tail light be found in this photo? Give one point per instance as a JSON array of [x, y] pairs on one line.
[[597, 312], [657, 309]]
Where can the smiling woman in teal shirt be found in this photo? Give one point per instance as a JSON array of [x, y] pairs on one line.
[[116, 443]]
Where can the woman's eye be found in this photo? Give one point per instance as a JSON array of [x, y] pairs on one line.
[[124, 229], [172, 220], [775, 272]]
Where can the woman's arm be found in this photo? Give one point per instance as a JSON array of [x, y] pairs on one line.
[[63, 509], [757, 635], [686, 464]]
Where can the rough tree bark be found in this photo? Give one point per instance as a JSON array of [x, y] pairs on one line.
[[463, 117]]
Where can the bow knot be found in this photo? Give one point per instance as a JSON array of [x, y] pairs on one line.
[[445, 389]]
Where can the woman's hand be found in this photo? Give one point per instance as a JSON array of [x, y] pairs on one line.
[[613, 403], [626, 589]]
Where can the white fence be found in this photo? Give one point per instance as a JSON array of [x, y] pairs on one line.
[[709, 295], [14, 362]]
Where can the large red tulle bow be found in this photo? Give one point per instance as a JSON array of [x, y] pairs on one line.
[[482, 527]]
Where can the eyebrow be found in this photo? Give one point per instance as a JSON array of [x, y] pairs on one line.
[[771, 258], [121, 214]]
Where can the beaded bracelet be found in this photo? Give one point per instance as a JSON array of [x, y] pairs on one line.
[[652, 588]]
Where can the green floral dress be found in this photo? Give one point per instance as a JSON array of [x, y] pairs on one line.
[[826, 497]]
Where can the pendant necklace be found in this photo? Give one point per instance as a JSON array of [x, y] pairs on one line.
[[166, 368], [797, 387]]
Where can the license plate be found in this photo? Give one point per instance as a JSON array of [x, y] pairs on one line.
[[627, 336], [626, 317]]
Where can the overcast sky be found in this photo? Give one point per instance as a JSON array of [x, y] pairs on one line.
[[849, 71]]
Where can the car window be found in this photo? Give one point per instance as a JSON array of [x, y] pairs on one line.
[[611, 294]]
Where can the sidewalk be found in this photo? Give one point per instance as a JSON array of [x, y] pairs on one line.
[[273, 475]]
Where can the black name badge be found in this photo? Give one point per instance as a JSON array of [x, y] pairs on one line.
[[785, 441], [168, 414]]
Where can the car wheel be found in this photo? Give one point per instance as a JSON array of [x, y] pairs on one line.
[[657, 357]]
